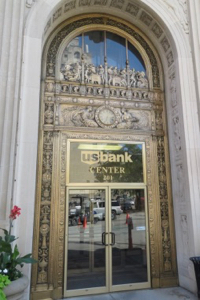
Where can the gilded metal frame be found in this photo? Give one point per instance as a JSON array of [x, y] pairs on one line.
[[88, 291], [109, 287], [68, 183], [49, 227]]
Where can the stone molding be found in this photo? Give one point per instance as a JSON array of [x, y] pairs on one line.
[[180, 11], [128, 8], [29, 3]]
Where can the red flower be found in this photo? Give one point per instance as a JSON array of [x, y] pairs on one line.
[[15, 212]]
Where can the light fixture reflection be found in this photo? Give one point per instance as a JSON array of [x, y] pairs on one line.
[[99, 147]]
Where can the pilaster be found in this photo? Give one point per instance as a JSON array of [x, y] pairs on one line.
[[11, 36]]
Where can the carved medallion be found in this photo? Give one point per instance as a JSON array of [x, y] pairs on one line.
[[106, 117]]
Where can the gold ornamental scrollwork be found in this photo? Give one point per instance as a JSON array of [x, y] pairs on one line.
[[164, 206], [45, 204]]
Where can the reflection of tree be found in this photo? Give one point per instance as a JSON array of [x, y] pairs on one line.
[[126, 195], [133, 171]]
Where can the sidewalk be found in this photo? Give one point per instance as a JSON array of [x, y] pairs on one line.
[[176, 293]]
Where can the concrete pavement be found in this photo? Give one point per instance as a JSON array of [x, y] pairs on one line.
[[176, 293]]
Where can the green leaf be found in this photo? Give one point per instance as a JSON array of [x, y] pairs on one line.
[[5, 231], [4, 281], [2, 295], [10, 238], [15, 252], [5, 247], [26, 260], [6, 258]]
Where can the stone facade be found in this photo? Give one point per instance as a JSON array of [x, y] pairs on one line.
[[176, 40]]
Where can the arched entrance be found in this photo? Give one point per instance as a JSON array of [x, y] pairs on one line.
[[98, 105]]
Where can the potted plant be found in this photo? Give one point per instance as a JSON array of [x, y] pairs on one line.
[[4, 281], [196, 262], [11, 262]]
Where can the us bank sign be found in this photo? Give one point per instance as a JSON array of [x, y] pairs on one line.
[[93, 157], [105, 162]]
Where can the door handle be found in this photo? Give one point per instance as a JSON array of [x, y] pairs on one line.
[[103, 238], [113, 238]]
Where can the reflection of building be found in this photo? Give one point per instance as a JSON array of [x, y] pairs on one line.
[[163, 45], [73, 53]]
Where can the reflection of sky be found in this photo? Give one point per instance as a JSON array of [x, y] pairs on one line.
[[135, 59], [115, 49], [94, 44]]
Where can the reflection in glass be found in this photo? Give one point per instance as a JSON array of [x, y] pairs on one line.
[[106, 162], [73, 51], [94, 47], [135, 59], [84, 58], [116, 50], [86, 228], [129, 256]]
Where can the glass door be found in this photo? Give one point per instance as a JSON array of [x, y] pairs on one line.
[[106, 240], [86, 242], [129, 230]]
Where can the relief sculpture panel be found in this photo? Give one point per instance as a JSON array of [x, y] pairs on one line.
[[105, 117], [89, 73]]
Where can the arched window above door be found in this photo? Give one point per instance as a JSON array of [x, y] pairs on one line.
[[103, 58]]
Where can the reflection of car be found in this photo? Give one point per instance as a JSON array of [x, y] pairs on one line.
[[116, 208], [132, 202], [99, 208], [74, 211], [127, 203], [100, 216], [126, 206]]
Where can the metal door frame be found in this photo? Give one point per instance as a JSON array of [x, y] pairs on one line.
[[108, 248]]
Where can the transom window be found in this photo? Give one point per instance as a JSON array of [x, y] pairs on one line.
[[103, 58]]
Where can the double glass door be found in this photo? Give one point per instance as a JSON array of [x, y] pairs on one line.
[[106, 240]]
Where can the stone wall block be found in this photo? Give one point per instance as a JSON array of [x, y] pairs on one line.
[[10, 59]]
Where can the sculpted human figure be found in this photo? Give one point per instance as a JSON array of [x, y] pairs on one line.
[[101, 73], [123, 77], [127, 119], [141, 80], [88, 117], [110, 75], [49, 115], [132, 77], [72, 72]]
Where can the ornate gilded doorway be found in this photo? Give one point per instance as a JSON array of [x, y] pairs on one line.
[[103, 82], [107, 241]]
